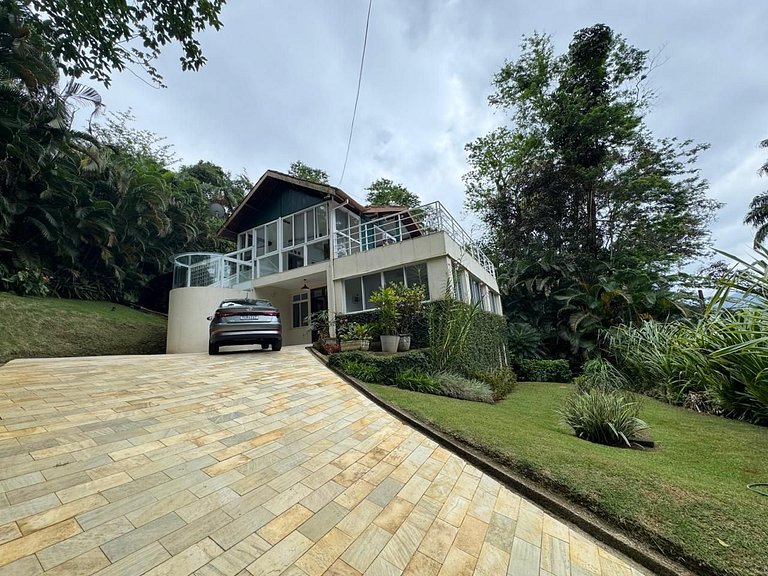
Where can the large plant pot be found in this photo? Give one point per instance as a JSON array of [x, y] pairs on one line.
[[389, 343], [405, 343]]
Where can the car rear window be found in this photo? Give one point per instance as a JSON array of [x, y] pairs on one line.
[[234, 303]]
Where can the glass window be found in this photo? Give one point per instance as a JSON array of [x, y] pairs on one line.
[[260, 241], [393, 277], [321, 221], [298, 228], [474, 286], [287, 231], [371, 284], [300, 310], [310, 225], [269, 265], [293, 258], [342, 219], [318, 252], [417, 274], [271, 238], [353, 295], [458, 283]]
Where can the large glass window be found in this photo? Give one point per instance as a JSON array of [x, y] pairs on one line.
[[357, 291], [293, 258], [371, 284], [417, 275], [321, 221], [318, 252], [393, 276], [269, 265], [300, 310], [474, 287], [271, 238], [353, 295], [298, 228], [261, 241], [287, 231]]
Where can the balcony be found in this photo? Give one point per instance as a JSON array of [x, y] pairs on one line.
[[236, 268]]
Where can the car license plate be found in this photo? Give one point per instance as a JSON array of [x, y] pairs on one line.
[[250, 318]]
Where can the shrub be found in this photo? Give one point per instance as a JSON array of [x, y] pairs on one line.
[[25, 282], [604, 417], [410, 379], [359, 370], [457, 386], [524, 340], [502, 381], [600, 375], [531, 370], [387, 367]]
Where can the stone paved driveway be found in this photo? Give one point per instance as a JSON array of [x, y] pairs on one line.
[[258, 463]]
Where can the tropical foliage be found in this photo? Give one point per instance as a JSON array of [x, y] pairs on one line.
[[757, 215], [98, 213], [588, 214], [719, 363]]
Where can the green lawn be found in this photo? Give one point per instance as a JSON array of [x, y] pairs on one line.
[[688, 496], [53, 327]]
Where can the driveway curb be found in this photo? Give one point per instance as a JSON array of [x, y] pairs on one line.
[[574, 514]]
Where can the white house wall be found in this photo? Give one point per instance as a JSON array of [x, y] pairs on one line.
[[188, 311]]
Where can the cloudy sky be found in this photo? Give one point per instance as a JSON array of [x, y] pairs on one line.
[[280, 84]]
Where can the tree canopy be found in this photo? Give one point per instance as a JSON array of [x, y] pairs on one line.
[[757, 216], [384, 192], [95, 39], [576, 192], [300, 170]]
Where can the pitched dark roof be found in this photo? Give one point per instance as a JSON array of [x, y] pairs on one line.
[[267, 185]]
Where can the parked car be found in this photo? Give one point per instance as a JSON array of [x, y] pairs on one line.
[[239, 322]]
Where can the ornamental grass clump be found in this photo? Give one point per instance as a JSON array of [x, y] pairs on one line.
[[604, 417], [457, 386]]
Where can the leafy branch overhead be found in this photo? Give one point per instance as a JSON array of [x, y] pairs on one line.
[[95, 39]]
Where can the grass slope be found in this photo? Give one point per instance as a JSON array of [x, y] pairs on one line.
[[688, 496], [52, 327]]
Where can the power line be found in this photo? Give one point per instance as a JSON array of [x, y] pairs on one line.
[[357, 96]]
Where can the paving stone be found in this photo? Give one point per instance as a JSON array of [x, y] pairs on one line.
[[248, 464]]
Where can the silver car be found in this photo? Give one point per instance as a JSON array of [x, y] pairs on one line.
[[245, 322]]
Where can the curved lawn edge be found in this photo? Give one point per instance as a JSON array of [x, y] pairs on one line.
[[600, 528]]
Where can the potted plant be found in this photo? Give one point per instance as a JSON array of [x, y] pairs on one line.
[[386, 300], [361, 334], [409, 307]]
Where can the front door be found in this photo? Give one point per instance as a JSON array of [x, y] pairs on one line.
[[318, 301]]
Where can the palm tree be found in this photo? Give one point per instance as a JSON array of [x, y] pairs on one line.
[[757, 216]]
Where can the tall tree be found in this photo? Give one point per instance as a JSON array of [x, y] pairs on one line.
[[757, 216], [300, 170], [384, 192], [576, 191], [96, 38]]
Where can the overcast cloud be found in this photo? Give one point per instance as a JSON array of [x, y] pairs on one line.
[[280, 83]]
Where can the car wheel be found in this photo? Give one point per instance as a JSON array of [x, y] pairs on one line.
[[276, 345], [213, 349], [264, 346]]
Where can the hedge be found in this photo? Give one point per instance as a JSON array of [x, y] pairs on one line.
[[530, 370], [486, 344], [379, 368]]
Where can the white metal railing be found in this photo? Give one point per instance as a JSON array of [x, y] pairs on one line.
[[234, 268], [393, 228]]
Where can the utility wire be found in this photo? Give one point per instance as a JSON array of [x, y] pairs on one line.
[[357, 96]]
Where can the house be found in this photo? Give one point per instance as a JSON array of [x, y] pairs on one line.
[[308, 247]]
